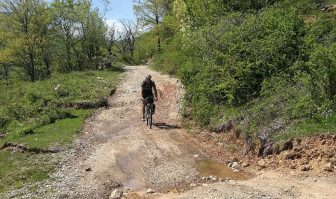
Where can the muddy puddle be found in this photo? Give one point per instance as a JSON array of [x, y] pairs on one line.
[[213, 168]]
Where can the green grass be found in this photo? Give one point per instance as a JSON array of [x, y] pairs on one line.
[[59, 133], [309, 127], [18, 169], [29, 105]]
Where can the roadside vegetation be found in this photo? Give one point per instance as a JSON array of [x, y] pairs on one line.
[[269, 67], [59, 62], [25, 108], [44, 116]]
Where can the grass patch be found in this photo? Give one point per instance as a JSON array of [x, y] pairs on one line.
[[31, 113], [60, 132], [309, 127], [17, 169], [38, 104]]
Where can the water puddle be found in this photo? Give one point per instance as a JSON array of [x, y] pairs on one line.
[[213, 168], [134, 184]]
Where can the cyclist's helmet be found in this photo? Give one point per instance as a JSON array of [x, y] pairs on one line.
[[149, 77]]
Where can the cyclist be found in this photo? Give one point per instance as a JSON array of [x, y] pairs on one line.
[[147, 87]]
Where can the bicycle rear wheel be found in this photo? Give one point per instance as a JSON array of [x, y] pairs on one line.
[[150, 118], [146, 115]]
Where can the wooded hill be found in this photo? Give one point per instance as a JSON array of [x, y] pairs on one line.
[[267, 67]]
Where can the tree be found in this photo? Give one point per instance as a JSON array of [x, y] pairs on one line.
[[28, 25], [128, 35], [81, 33], [4, 50], [67, 27], [111, 39], [38, 38], [150, 14], [93, 32]]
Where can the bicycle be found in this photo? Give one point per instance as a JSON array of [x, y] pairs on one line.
[[149, 108]]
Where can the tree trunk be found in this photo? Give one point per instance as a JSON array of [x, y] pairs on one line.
[[158, 33], [46, 61], [68, 66], [68, 55], [32, 68]]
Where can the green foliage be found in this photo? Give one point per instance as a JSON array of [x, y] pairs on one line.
[[234, 58], [79, 36], [26, 42], [38, 38], [150, 14], [145, 47], [211, 12], [271, 62], [171, 58], [309, 127]]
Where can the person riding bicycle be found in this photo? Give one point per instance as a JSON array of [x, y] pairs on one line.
[[147, 87]]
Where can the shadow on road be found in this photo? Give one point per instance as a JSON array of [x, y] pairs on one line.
[[166, 126]]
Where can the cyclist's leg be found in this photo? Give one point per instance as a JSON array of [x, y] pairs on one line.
[[143, 109]]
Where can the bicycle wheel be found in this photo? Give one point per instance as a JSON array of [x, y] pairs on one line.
[[150, 118], [146, 115]]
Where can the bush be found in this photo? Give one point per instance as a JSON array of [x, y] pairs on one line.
[[271, 66], [257, 63], [170, 58]]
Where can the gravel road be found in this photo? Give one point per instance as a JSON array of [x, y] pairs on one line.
[[116, 151]]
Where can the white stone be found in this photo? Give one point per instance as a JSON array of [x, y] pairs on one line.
[[116, 194], [214, 178], [57, 87], [235, 165], [150, 191]]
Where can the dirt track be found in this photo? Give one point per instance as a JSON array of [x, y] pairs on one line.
[[116, 145], [115, 148]]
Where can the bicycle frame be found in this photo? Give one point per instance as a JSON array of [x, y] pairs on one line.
[[149, 103]]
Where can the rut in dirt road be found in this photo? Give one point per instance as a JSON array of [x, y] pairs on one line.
[[117, 147]]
